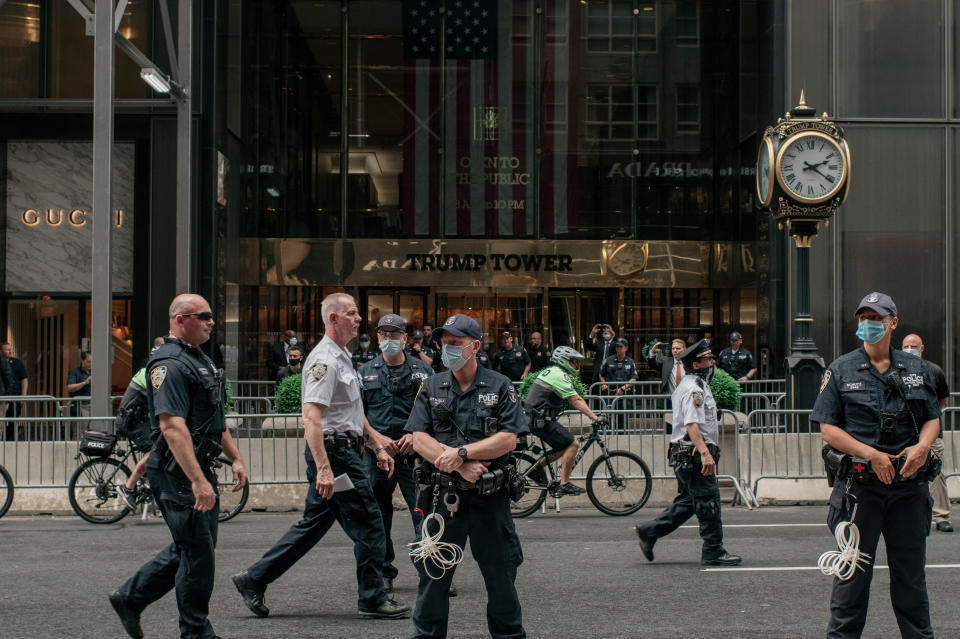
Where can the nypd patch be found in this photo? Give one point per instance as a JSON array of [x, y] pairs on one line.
[[319, 371], [512, 394], [158, 376], [827, 374], [697, 397]]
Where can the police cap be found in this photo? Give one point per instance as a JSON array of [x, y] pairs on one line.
[[461, 325], [735, 335], [698, 351], [621, 341], [506, 334], [364, 336], [878, 302], [392, 321], [418, 335]]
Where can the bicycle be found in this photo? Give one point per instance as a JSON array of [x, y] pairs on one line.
[[93, 486], [618, 481], [6, 491]]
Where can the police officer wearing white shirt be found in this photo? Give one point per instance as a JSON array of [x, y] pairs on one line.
[[693, 455], [334, 428]]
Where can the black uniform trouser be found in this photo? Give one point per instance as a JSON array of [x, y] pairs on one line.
[[901, 512], [357, 512], [698, 496], [486, 521], [383, 488], [187, 564]]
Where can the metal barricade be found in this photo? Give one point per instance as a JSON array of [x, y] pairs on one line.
[[948, 425], [42, 451], [253, 388], [779, 446], [252, 405]]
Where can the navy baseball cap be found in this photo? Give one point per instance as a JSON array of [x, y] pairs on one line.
[[461, 325], [878, 302], [621, 341], [392, 321], [735, 335]]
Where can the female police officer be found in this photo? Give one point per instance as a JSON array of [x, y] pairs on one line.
[[878, 404]]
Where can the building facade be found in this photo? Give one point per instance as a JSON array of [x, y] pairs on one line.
[[539, 164]]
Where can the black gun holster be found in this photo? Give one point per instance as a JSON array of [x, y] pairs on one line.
[[206, 451]]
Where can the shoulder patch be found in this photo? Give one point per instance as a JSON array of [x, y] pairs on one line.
[[512, 394], [827, 374], [319, 371], [697, 397], [158, 376], [566, 378]]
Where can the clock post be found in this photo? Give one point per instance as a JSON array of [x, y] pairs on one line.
[[803, 175]]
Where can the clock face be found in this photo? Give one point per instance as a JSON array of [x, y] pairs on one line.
[[764, 175], [812, 167]]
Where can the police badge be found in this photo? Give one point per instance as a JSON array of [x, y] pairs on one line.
[[157, 376], [697, 397], [826, 380], [319, 371]]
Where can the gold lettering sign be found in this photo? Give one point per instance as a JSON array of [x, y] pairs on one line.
[[54, 217]]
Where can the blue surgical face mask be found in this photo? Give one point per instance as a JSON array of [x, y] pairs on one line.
[[452, 357], [364, 344], [871, 331], [391, 346]]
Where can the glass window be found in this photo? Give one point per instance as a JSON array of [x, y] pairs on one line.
[[891, 59], [19, 50], [688, 24], [617, 26], [688, 109]]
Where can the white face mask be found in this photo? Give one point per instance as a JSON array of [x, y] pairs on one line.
[[912, 350], [293, 341]]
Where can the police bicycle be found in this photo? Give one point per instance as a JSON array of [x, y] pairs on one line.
[[618, 481], [93, 485], [6, 491]]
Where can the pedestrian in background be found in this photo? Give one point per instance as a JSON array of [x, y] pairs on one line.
[[78, 385], [913, 344], [294, 363], [601, 343], [278, 353], [364, 353], [539, 352], [670, 366]]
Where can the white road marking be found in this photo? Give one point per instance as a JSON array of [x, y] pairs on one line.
[[796, 568], [760, 525]]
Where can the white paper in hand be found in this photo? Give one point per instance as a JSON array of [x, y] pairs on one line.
[[342, 483]]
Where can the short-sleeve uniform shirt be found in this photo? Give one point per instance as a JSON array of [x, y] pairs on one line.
[[693, 403], [511, 362], [389, 391], [738, 364], [330, 379], [618, 370]]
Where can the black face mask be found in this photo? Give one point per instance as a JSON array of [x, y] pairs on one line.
[[706, 374], [294, 362]]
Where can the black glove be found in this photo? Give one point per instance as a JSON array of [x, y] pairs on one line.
[[601, 420]]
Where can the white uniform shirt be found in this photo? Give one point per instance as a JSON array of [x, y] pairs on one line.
[[330, 379], [694, 405]]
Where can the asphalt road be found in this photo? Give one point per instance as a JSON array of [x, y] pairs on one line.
[[583, 577]]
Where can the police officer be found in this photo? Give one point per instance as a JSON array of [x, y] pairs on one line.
[[693, 455], [390, 384], [333, 427], [364, 353], [465, 422], [736, 360], [511, 359], [185, 402], [879, 404], [431, 340], [419, 348], [618, 374], [482, 358], [539, 352]]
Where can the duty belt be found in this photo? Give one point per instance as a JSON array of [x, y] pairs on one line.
[[343, 441]]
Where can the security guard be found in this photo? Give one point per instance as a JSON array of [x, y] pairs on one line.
[[364, 353], [465, 422], [539, 352], [511, 359], [185, 402], [390, 384], [879, 404], [736, 360], [333, 427], [693, 455]]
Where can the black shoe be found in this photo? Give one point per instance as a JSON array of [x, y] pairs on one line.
[[452, 592], [387, 585], [944, 526], [129, 497], [571, 489], [723, 559], [128, 617], [252, 593], [389, 609], [646, 543]]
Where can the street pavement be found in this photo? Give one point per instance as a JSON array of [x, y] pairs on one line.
[[583, 577]]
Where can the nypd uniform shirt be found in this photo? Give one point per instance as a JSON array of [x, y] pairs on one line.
[[330, 379], [490, 405], [361, 357], [737, 364], [389, 391], [539, 357], [693, 404], [854, 394], [183, 382], [618, 370], [512, 362]]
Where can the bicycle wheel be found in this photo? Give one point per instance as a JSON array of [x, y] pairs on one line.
[[93, 490], [536, 490], [231, 503], [619, 483], [6, 491]]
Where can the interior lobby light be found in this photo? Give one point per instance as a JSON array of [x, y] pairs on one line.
[[157, 81]]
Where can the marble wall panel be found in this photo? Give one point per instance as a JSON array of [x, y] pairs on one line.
[[53, 255]]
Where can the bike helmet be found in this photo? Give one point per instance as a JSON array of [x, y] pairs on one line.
[[564, 357]]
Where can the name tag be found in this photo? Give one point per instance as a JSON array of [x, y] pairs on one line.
[[854, 386], [489, 400]]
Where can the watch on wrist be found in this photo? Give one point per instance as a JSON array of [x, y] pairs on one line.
[[463, 453], [379, 448]]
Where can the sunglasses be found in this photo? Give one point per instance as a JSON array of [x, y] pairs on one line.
[[205, 316]]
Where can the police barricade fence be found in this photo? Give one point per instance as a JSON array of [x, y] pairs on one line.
[[253, 388], [782, 445]]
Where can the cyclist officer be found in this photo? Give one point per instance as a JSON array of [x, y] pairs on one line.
[[466, 421], [693, 455], [185, 403], [880, 404], [544, 402], [390, 383]]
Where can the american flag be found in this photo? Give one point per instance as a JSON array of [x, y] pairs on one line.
[[485, 117]]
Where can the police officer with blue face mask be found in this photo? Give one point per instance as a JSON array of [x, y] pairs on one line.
[[390, 384], [879, 405]]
